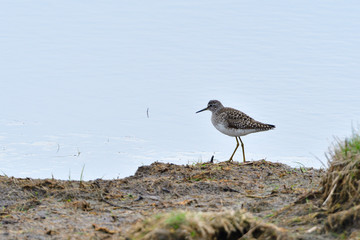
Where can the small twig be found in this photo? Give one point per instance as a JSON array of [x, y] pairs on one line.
[[4, 173], [147, 112], [103, 229], [261, 197], [313, 229], [331, 192], [112, 204], [307, 196], [154, 198], [247, 163], [82, 175], [254, 196], [78, 154], [139, 198], [227, 189], [176, 194]]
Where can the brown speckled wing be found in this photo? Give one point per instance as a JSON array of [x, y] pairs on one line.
[[239, 120]]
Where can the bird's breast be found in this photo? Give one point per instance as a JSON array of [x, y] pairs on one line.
[[233, 132], [221, 125]]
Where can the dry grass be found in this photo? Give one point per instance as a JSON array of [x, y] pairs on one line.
[[341, 188], [206, 225], [341, 220], [341, 185]]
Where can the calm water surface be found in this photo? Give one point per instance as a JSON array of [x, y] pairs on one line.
[[78, 77]]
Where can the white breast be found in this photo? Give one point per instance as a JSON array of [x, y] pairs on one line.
[[234, 132]]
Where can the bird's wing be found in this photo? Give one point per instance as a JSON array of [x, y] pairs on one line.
[[239, 120], [242, 121]]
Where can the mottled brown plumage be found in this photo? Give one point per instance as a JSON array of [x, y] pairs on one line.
[[234, 123], [236, 119]]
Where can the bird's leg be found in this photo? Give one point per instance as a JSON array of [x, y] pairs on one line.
[[242, 145], [237, 145]]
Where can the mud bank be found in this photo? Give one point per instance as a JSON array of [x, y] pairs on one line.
[[270, 193]]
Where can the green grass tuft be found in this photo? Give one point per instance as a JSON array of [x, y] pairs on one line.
[[176, 219], [350, 147]]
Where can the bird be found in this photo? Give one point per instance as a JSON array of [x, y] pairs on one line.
[[234, 123]]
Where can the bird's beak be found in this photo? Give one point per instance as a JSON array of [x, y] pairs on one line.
[[202, 110]]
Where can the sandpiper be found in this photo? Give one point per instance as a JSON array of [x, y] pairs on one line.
[[234, 123]]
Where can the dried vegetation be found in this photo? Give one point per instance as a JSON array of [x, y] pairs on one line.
[[225, 225], [256, 200], [341, 186]]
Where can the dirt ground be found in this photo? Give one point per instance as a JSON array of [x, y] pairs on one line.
[[106, 209]]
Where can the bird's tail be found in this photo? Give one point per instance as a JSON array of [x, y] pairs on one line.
[[265, 126]]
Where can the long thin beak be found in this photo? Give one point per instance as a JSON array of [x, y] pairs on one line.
[[202, 110]]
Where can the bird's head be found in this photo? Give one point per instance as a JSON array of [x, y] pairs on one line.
[[212, 106]]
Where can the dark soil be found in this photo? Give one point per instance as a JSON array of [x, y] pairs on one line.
[[106, 209]]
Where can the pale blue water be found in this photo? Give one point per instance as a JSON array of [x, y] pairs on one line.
[[77, 78]]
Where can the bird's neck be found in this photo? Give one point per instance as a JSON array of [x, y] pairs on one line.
[[217, 111]]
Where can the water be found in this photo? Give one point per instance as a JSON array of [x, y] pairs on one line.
[[78, 78]]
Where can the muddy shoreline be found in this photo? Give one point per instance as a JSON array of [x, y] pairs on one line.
[[107, 209]]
